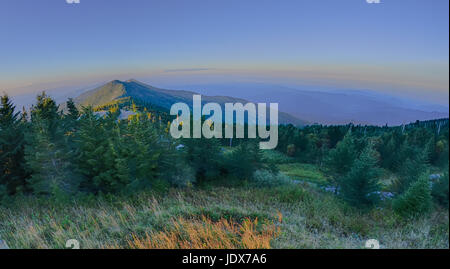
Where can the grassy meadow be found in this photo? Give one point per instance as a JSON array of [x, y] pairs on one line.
[[294, 215]]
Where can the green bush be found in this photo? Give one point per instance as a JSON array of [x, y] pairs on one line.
[[416, 200], [265, 178], [205, 157], [276, 157], [181, 175], [440, 191], [244, 160]]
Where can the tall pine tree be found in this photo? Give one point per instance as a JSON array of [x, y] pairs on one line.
[[12, 164], [48, 157], [360, 184]]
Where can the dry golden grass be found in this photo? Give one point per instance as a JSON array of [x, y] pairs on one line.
[[306, 219], [206, 234]]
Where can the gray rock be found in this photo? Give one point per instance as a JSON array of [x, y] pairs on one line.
[[434, 177], [3, 245], [179, 147], [382, 195], [331, 189]]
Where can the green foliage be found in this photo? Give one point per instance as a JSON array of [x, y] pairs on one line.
[[440, 190], [304, 172], [48, 160], [73, 112], [57, 155], [244, 160], [94, 154], [291, 194], [127, 156], [12, 142], [276, 157], [290, 151], [414, 165], [360, 184], [416, 200], [341, 159], [441, 152], [46, 110], [3, 193], [265, 178], [205, 157]]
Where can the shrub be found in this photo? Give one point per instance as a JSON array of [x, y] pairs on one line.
[[411, 169], [181, 175], [265, 178], [440, 191], [290, 151], [416, 200], [276, 157], [244, 160], [341, 158], [205, 157]]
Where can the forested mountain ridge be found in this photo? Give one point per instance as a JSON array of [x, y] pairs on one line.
[[117, 91]]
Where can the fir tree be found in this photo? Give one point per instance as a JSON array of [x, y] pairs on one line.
[[245, 160], [49, 160], [73, 112], [205, 157], [340, 159], [414, 165], [46, 110], [416, 200], [12, 141], [360, 184], [146, 162], [93, 145]]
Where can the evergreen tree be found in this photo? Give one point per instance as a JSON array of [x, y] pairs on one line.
[[204, 156], [360, 184], [12, 141], [416, 200], [49, 160], [245, 160], [335, 135], [46, 110], [146, 160], [414, 165], [70, 124], [73, 112], [94, 156], [340, 159]]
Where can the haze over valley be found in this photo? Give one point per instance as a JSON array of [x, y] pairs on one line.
[[303, 105]]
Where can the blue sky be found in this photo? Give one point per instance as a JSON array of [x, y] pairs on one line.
[[398, 45]]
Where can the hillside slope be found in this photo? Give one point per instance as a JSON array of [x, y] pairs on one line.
[[116, 90]]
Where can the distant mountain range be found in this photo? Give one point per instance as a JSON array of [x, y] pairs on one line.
[[117, 90], [331, 106], [299, 106]]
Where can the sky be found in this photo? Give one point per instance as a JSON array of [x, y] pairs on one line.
[[397, 46]]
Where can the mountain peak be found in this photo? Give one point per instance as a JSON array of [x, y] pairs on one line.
[[116, 91]]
